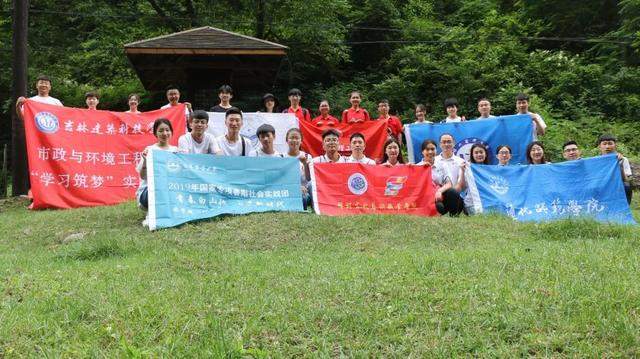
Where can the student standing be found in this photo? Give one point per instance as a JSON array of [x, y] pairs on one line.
[[484, 108], [421, 114], [92, 99], [331, 146], [198, 140], [133, 100], [394, 125], [232, 143], [266, 135], [325, 118], [357, 150], [355, 113], [606, 145], [535, 153], [295, 98], [294, 140], [225, 94], [522, 107], [43, 86], [269, 103], [392, 153], [570, 151], [451, 105]]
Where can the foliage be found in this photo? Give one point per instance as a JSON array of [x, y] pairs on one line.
[[578, 59]]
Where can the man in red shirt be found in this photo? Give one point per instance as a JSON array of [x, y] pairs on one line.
[[355, 113], [394, 125], [325, 118], [295, 96]]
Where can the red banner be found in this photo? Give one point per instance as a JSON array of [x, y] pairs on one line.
[[375, 134], [80, 157], [352, 188]]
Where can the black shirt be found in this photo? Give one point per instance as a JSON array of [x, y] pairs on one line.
[[218, 108]]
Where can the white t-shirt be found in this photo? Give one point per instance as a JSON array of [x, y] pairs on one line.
[[535, 124], [451, 166], [143, 182], [449, 120], [438, 175], [234, 149], [485, 118], [209, 144], [364, 160], [260, 153], [325, 159], [46, 99]]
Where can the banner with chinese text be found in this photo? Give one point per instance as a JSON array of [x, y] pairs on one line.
[[516, 131], [375, 134], [586, 188], [188, 187], [353, 188], [282, 122], [80, 157]]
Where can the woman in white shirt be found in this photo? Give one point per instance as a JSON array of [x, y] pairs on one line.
[[163, 131], [392, 153]]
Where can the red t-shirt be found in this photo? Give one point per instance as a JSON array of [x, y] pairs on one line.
[[394, 124], [301, 113], [351, 115], [328, 121]]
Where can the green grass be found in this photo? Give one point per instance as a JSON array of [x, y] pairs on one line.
[[93, 282]]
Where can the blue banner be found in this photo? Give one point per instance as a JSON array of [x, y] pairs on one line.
[[187, 187], [516, 131], [587, 188]]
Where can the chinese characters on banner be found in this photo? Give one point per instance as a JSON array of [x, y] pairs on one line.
[[80, 158], [187, 187], [375, 134], [586, 188], [351, 188]]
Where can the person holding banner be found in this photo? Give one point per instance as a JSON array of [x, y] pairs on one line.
[[232, 143], [294, 140], [447, 197], [295, 96], [357, 150], [394, 125], [133, 100], [225, 94], [325, 118], [522, 106], [451, 105], [173, 96], [570, 151], [479, 154], [421, 114], [607, 145], [266, 135], [535, 153], [449, 162], [92, 99], [504, 155], [355, 113], [331, 145], [484, 108], [43, 85], [392, 153], [198, 140], [163, 130], [269, 103]]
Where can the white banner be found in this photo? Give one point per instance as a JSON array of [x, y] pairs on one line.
[[282, 122]]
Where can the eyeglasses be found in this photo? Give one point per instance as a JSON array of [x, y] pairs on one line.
[[504, 153], [330, 139], [570, 150]]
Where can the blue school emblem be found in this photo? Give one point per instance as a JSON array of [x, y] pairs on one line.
[[463, 148], [47, 122], [499, 184], [357, 184]]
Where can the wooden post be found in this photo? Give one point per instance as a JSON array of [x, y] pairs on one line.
[[4, 173], [20, 175]]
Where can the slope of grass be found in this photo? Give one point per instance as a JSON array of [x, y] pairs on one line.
[[93, 282]]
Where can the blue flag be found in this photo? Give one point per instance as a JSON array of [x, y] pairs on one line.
[[586, 188], [187, 187], [516, 131]]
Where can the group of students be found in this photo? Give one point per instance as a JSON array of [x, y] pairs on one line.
[[448, 170]]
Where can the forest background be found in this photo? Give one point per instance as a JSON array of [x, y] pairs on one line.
[[577, 60]]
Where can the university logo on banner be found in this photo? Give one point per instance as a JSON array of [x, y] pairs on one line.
[[79, 157], [586, 188], [188, 187], [375, 134], [282, 122], [516, 131], [353, 188]]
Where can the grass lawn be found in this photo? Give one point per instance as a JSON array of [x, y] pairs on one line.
[[93, 282]]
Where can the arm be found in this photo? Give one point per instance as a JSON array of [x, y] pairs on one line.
[[541, 126], [19, 103], [462, 180], [142, 165]]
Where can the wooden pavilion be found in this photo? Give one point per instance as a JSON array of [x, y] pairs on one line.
[[200, 60]]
